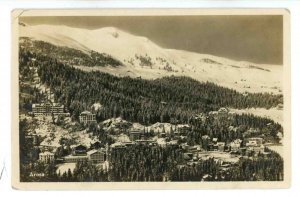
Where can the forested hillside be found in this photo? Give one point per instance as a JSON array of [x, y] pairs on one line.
[[145, 101]]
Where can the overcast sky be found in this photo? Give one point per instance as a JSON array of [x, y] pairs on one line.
[[257, 39]]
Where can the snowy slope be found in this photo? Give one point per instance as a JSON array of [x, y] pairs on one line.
[[274, 114], [131, 49]]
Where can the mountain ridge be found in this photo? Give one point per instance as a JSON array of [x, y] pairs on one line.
[[143, 58]]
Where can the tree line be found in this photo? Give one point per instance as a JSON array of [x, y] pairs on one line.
[[139, 100]]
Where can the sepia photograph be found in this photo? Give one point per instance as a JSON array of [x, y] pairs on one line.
[[151, 99]]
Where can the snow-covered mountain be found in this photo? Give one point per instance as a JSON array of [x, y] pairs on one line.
[[143, 58]]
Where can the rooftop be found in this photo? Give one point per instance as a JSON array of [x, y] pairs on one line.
[[48, 103], [93, 151], [77, 145], [85, 113], [76, 156], [46, 153]]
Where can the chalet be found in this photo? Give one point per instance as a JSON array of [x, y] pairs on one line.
[[183, 129], [96, 156], [46, 157], [135, 135], [215, 140], [235, 145], [257, 141], [255, 145], [87, 117], [220, 146], [216, 146], [255, 149], [78, 150], [251, 143], [212, 146]]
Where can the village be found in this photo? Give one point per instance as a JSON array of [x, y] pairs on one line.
[[64, 141], [110, 105], [162, 134]]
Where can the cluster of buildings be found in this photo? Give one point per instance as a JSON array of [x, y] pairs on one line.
[[213, 144], [254, 145], [222, 113], [96, 155], [51, 108], [80, 153], [250, 146]]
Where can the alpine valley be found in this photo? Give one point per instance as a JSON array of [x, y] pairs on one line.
[[108, 105]]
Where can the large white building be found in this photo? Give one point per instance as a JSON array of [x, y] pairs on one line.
[[87, 117], [46, 157], [48, 109], [94, 156]]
